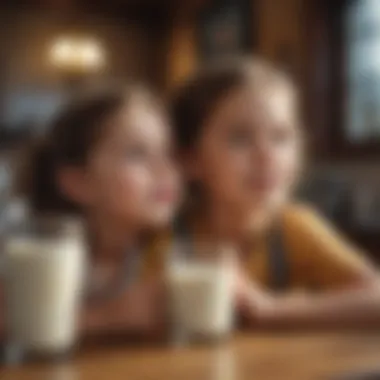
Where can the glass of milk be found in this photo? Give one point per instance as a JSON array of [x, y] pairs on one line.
[[201, 295], [43, 273]]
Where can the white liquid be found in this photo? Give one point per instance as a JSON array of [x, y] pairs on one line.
[[202, 298], [43, 282]]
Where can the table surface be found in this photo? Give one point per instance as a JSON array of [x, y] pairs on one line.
[[246, 356]]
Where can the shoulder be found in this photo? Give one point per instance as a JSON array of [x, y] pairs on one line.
[[306, 231], [305, 228], [298, 210], [301, 217], [322, 255]]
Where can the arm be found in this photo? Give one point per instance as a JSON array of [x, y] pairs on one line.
[[357, 308], [348, 283]]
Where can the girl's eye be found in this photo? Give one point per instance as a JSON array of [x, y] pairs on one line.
[[239, 137], [283, 136], [135, 153]]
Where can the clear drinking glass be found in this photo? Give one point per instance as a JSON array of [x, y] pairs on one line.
[[201, 295], [43, 276]]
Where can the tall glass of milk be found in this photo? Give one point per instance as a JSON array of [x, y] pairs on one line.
[[201, 299], [43, 272]]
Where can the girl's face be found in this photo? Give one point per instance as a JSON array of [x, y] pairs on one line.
[[130, 175], [249, 152]]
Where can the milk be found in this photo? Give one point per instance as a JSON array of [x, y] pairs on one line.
[[201, 298], [43, 279]]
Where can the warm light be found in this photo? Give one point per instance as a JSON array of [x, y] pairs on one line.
[[91, 54], [61, 51], [77, 54]]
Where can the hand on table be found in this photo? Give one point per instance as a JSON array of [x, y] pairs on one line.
[[251, 300], [261, 308]]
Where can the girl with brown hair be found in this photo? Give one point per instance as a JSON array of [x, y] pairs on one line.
[[107, 158], [240, 140]]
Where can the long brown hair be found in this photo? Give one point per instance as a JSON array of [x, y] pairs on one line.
[[69, 142], [197, 98], [195, 101]]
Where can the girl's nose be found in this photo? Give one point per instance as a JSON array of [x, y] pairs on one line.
[[262, 153], [162, 167]]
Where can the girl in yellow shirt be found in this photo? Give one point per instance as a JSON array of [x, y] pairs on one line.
[[241, 147]]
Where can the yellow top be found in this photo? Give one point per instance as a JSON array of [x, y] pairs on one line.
[[317, 256]]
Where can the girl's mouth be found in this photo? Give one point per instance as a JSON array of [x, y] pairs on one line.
[[264, 183], [165, 195]]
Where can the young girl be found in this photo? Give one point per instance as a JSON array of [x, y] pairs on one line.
[[107, 158], [240, 141]]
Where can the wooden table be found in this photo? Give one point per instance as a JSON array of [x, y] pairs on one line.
[[247, 356]]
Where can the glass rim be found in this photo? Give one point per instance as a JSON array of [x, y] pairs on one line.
[[46, 226]]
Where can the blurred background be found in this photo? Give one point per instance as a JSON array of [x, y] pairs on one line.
[[51, 49]]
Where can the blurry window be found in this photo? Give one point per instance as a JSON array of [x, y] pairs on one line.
[[362, 41]]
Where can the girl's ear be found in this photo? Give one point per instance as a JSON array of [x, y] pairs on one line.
[[73, 184]]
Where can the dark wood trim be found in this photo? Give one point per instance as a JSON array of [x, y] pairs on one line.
[[145, 12], [318, 102]]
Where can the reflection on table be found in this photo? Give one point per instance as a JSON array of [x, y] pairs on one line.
[[247, 356]]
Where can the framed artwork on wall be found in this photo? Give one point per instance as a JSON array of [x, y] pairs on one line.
[[225, 29]]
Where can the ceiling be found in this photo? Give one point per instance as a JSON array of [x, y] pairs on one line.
[[141, 9]]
